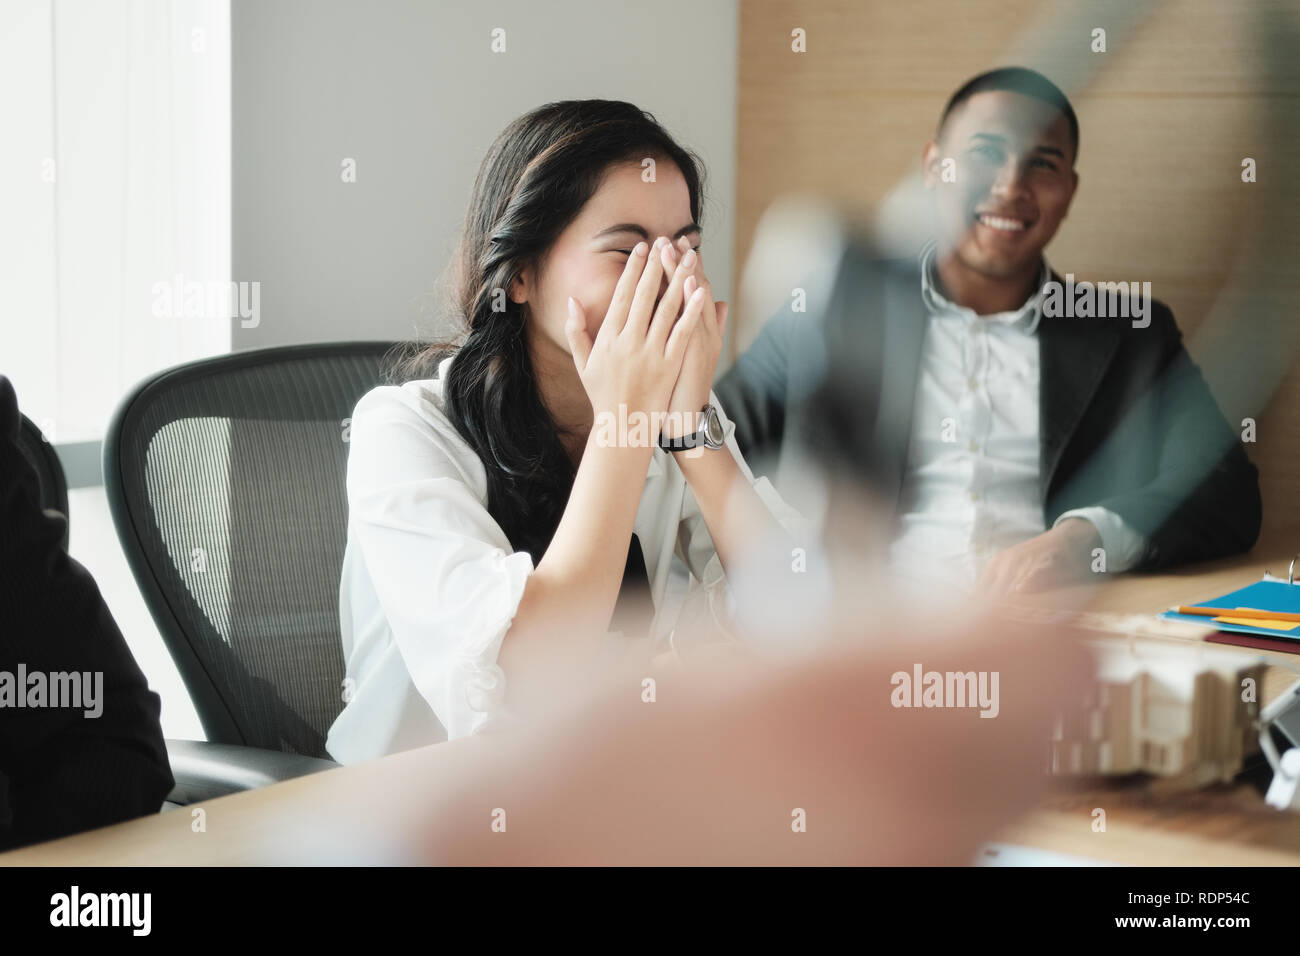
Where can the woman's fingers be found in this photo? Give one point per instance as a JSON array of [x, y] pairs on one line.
[[624, 292], [685, 327], [698, 279], [670, 306], [684, 244], [575, 330], [647, 290]]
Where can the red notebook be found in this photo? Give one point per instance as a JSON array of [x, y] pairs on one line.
[[1251, 640]]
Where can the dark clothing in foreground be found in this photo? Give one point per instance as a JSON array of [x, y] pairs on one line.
[[62, 771]]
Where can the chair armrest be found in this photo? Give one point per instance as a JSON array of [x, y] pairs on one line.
[[205, 770]]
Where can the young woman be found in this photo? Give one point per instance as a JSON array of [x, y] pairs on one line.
[[498, 507]]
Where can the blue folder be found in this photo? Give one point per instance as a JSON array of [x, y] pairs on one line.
[[1268, 595]]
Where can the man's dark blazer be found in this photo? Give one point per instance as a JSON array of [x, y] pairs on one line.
[[60, 771], [1126, 421]]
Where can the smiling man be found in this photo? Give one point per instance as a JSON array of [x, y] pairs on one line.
[[1022, 445]]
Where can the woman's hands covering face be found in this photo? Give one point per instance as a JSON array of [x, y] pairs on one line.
[[636, 360]]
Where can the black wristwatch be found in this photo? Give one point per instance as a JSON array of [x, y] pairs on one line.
[[709, 435]]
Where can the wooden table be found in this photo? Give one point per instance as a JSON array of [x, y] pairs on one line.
[[336, 815], [1221, 825]]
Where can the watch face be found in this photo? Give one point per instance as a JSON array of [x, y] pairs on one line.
[[713, 431]]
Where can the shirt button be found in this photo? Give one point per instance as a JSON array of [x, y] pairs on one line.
[[974, 445], [972, 383], [974, 496]]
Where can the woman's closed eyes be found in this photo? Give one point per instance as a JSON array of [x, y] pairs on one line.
[[628, 252]]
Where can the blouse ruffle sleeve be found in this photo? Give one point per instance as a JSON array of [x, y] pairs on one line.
[[442, 568]]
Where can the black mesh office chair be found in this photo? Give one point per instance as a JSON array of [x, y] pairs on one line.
[[225, 478], [49, 471]]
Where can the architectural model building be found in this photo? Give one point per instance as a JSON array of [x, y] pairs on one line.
[[1170, 708]]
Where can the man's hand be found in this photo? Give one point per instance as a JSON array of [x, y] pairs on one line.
[[1052, 559]]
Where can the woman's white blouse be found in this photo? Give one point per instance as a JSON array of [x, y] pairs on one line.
[[430, 583]]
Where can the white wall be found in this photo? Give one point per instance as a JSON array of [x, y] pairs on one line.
[[412, 91], [114, 180]]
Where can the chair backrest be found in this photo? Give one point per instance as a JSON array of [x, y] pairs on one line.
[[226, 481], [49, 470]]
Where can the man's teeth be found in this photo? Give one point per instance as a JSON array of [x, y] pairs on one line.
[[1006, 225]]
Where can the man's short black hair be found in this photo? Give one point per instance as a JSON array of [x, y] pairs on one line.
[[1016, 79]]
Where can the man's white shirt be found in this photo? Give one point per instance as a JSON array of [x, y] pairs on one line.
[[971, 484]]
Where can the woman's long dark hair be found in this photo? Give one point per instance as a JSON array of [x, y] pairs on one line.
[[533, 183]]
